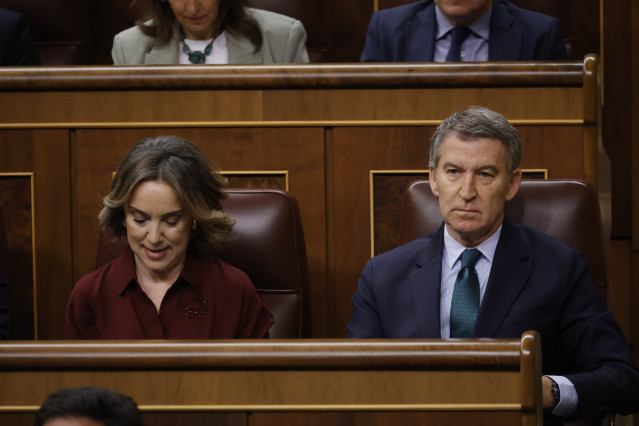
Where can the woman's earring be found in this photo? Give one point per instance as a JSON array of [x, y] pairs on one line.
[[124, 223], [194, 226]]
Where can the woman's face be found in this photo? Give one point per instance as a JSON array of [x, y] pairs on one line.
[[158, 229], [196, 17]]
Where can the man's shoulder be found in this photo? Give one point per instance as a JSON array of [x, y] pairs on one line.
[[541, 243], [412, 252], [523, 15], [9, 17], [404, 12], [107, 277], [12, 24]]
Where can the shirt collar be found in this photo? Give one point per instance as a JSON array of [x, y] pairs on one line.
[[124, 272], [453, 249], [481, 27]]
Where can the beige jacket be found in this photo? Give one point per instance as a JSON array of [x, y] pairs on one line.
[[284, 41]]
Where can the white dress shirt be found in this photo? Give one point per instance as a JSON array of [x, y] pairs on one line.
[[219, 54], [473, 49]]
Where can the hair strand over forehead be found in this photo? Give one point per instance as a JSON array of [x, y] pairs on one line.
[[475, 123], [180, 164]]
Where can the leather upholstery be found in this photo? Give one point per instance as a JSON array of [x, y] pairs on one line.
[[565, 209], [267, 243]]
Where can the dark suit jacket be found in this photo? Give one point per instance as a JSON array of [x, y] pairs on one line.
[[407, 34], [16, 46], [535, 283]]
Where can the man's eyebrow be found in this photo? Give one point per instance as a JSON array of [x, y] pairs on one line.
[[490, 167], [449, 164]]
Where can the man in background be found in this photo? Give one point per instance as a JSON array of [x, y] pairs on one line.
[[16, 45], [462, 30]]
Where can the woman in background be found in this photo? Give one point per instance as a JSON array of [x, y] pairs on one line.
[[210, 32], [166, 199]]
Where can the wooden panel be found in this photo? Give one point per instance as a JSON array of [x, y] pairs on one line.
[[621, 285], [45, 154], [257, 180], [298, 152], [204, 107], [154, 418], [475, 418], [387, 192], [478, 377], [52, 175], [16, 204], [281, 390]]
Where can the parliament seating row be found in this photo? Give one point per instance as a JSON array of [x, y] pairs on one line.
[[82, 32], [324, 133], [268, 243]]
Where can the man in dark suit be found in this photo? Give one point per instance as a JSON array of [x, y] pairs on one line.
[[16, 46], [521, 279], [498, 31]]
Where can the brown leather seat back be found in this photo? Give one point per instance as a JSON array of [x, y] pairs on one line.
[[564, 209], [267, 243]]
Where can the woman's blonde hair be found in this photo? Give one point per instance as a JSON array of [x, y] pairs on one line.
[[185, 168]]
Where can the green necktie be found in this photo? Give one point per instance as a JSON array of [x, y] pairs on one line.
[[465, 304]]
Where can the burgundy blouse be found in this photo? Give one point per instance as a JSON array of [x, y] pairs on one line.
[[210, 300]]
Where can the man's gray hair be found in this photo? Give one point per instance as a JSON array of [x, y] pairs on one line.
[[474, 123]]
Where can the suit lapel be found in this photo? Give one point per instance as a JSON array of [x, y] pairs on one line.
[[421, 36], [508, 276], [241, 51], [162, 55], [504, 39], [425, 284]]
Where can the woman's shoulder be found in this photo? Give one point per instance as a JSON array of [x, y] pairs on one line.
[[272, 21], [217, 275], [107, 277], [134, 33], [131, 45]]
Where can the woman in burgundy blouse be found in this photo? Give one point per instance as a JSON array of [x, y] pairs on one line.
[[166, 199]]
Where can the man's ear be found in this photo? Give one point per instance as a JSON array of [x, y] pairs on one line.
[[433, 182], [513, 185]]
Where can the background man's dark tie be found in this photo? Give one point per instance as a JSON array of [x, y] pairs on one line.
[[465, 304], [458, 35]]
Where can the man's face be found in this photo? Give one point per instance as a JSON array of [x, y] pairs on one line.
[[472, 183], [463, 12]]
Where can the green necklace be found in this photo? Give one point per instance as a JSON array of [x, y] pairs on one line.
[[198, 56]]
